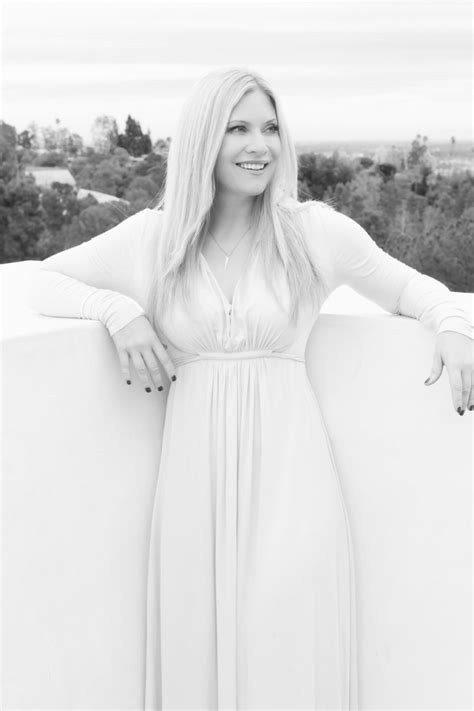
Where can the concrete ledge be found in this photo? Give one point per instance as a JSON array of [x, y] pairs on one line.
[[80, 461]]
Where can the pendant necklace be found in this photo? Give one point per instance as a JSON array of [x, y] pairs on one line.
[[228, 256]]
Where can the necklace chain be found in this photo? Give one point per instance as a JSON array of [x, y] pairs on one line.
[[228, 255]]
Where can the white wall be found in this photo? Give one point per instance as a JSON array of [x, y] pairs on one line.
[[80, 452]]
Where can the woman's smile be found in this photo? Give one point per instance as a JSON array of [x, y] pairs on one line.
[[252, 167]]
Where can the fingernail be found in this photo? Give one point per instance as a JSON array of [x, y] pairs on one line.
[[160, 387], [129, 382], [148, 390], [471, 407], [173, 377], [461, 412], [426, 380]]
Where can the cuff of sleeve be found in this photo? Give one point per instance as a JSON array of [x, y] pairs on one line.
[[432, 303], [457, 324], [114, 310], [127, 311]]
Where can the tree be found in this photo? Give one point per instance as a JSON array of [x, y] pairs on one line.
[[60, 204], [93, 220], [141, 192], [133, 140], [9, 168], [365, 162], [58, 138], [162, 147], [420, 164], [49, 138], [33, 131], [153, 166], [51, 159], [110, 175], [319, 172], [21, 220], [24, 139], [104, 134], [74, 144], [419, 153]]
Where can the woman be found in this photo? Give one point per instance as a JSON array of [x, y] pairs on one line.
[[251, 600]]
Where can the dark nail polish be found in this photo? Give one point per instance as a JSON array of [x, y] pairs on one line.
[[129, 382], [160, 387], [471, 407], [173, 377], [461, 412], [148, 390]]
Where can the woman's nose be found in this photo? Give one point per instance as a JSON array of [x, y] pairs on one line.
[[257, 142]]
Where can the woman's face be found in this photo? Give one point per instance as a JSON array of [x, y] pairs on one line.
[[251, 137]]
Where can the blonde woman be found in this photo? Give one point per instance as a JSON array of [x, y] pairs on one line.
[[251, 600]]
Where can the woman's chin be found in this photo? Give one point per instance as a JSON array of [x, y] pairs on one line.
[[254, 191]]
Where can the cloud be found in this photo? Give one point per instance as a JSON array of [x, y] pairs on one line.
[[360, 65]]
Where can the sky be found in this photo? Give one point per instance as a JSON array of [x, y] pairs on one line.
[[382, 70]]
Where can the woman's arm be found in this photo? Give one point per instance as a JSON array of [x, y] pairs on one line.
[[99, 279], [356, 260]]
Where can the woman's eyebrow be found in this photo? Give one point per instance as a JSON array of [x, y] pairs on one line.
[[246, 122]]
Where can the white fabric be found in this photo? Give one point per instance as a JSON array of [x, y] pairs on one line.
[[251, 595]]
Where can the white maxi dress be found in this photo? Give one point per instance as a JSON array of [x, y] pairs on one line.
[[251, 586]]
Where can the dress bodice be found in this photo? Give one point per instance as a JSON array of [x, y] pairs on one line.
[[254, 321]]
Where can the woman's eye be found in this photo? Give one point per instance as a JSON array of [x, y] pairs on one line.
[[273, 127]]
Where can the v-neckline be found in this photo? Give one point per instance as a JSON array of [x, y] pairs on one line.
[[229, 305]]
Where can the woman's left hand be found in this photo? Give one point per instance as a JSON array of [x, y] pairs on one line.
[[456, 352]]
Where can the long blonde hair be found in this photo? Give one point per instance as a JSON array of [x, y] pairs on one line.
[[187, 197]]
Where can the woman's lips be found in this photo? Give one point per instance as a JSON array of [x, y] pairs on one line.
[[253, 170]]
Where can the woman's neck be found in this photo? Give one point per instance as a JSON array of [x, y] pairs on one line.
[[230, 218]]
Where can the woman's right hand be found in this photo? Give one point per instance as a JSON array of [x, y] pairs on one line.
[[138, 341]]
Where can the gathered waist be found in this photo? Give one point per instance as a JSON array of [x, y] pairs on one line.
[[234, 355]]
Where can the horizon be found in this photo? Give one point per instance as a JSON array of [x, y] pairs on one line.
[[460, 142]]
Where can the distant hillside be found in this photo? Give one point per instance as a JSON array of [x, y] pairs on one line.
[[442, 149]]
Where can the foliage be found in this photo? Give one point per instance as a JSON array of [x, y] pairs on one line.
[[133, 140], [21, 220], [318, 173], [51, 159], [51, 138], [423, 218], [105, 134]]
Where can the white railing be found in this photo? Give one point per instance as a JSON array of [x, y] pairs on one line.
[[80, 461]]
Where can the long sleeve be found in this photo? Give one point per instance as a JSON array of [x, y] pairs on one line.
[[356, 260], [99, 279]]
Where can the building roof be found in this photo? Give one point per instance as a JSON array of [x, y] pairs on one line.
[[100, 197], [45, 177]]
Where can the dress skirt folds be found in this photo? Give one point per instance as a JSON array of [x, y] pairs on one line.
[[251, 596]]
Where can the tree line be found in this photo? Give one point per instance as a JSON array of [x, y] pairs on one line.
[[415, 214]]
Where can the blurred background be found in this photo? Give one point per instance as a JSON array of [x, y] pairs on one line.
[[377, 94]]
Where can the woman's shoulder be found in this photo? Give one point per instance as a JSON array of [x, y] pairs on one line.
[[314, 217], [311, 216], [154, 212], [153, 220], [153, 216], [323, 219], [306, 207]]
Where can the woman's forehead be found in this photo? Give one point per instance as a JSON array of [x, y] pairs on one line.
[[255, 105]]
